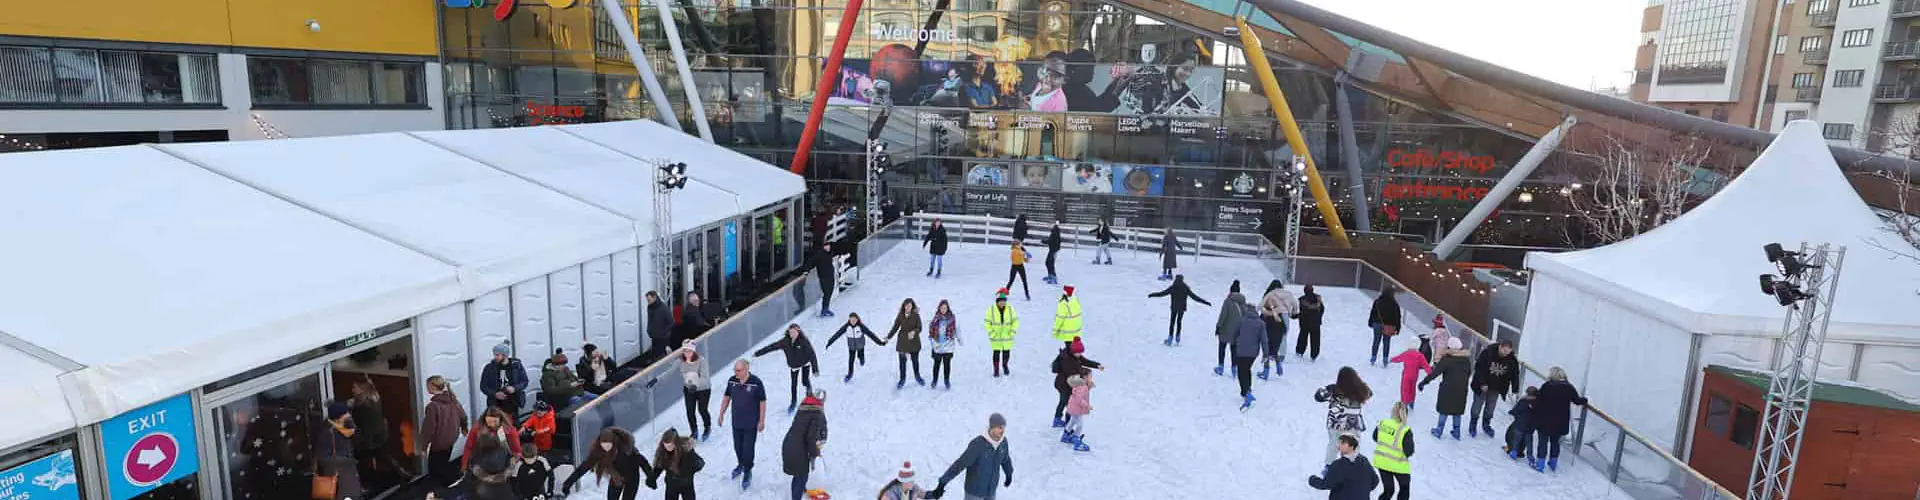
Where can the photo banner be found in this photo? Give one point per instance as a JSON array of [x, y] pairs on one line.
[[1153, 84]]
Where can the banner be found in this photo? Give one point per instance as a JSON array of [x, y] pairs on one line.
[[1139, 180], [730, 249], [1090, 178], [990, 203], [46, 478], [1020, 78]]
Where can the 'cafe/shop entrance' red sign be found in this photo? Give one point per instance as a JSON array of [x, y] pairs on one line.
[[1447, 160]]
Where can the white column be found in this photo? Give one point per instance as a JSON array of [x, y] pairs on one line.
[[1514, 177]]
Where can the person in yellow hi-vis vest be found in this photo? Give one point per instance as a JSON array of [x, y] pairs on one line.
[[1393, 445], [1002, 322], [1066, 317]]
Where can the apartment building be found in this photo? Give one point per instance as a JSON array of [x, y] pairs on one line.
[[1711, 58], [1854, 66]]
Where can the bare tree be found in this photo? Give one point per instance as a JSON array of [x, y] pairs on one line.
[[1631, 188], [1899, 137]]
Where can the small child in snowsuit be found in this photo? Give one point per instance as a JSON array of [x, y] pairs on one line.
[[1078, 406], [532, 475], [1412, 361], [1520, 432]]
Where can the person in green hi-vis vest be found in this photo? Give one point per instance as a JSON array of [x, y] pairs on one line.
[[780, 238]]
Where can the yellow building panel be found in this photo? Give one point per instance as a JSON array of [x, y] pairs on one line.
[[369, 26], [169, 21]]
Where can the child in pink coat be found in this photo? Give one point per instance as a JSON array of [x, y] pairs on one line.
[[1411, 363], [1079, 404]]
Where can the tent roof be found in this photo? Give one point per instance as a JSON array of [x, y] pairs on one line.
[[1700, 271], [155, 276], [593, 174], [31, 388], [757, 183]]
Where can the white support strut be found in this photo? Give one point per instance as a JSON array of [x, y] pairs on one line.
[[687, 84], [625, 28], [1519, 173]]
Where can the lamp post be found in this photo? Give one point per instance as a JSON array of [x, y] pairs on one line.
[[1296, 175]]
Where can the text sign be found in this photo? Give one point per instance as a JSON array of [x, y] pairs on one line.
[[1441, 160], [48, 478], [149, 447]]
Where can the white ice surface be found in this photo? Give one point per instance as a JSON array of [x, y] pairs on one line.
[[1163, 426]]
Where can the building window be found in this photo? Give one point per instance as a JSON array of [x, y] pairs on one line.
[[88, 77], [1856, 38], [1720, 114], [1699, 39], [1837, 131], [336, 82], [1746, 424], [1819, 7], [1796, 115], [1848, 77], [1861, 3], [1813, 43], [1719, 415], [1780, 45], [1806, 80]]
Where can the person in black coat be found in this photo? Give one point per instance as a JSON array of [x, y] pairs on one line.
[[1496, 373], [804, 440], [1070, 362], [618, 464], [1169, 250], [1453, 372], [856, 342], [801, 364], [1104, 236], [1384, 318], [936, 243], [659, 325], [674, 458], [1178, 293], [1552, 410], [1020, 228], [1349, 477], [823, 269], [1312, 310], [695, 320], [1053, 247]]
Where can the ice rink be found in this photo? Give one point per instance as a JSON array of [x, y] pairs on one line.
[[1163, 426]]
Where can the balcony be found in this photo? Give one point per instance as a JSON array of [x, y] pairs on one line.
[[1808, 94], [1825, 19], [1904, 9], [1815, 57], [1892, 93], [1901, 51]]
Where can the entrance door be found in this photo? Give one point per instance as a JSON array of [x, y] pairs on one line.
[[378, 384], [266, 445]]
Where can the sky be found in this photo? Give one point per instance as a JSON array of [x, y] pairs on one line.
[[1580, 43]]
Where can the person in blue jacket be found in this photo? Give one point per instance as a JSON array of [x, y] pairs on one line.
[[987, 461], [1349, 477], [504, 381]]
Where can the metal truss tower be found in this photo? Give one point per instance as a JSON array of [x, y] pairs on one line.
[[1808, 295]]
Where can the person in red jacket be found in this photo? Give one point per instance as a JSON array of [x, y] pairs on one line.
[[541, 426], [495, 422]]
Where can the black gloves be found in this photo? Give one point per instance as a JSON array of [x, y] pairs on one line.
[[653, 484], [1009, 482], [935, 494]]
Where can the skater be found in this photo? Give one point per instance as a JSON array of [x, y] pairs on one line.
[[1020, 229], [986, 460], [902, 486], [491, 473], [1520, 431], [804, 440], [1178, 292], [675, 459], [856, 342], [749, 417], [1078, 406], [1169, 253], [505, 380], [531, 474], [944, 332], [1344, 398], [936, 243], [1275, 306], [1495, 375], [696, 384], [1453, 372], [906, 325], [1249, 340], [1348, 476], [1019, 258], [1002, 322], [494, 423], [1393, 454], [1071, 360], [1103, 235], [441, 428], [1439, 337], [1228, 324], [615, 462], [823, 270], [659, 327], [1412, 362], [1066, 317], [801, 365], [1053, 247], [1312, 309], [1550, 412], [1384, 318]]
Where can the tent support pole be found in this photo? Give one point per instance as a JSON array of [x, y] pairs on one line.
[[1350, 151], [1519, 173], [662, 107]]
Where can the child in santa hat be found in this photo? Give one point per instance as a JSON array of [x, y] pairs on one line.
[[902, 487]]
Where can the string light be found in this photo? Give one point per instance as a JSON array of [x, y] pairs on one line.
[[20, 144], [267, 130]]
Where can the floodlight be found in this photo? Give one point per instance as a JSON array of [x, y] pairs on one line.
[[673, 176], [1783, 291], [1789, 262]]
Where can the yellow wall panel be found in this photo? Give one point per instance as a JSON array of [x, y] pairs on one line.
[[167, 21], [372, 26]]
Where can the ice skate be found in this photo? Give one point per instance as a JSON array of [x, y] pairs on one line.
[[1264, 370], [1080, 444], [826, 313], [1472, 432], [1168, 342], [1513, 454], [929, 272], [1538, 466], [706, 435], [898, 385], [736, 473], [1436, 433], [1059, 423], [1553, 464], [1280, 367], [1456, 431], [1219, 371], [848, 379], [938, 272], [1486, 429], [746, 480], [1246, 402], [948, 385], [922, 382], [1066, 437], [1109, 262], [790, 409]]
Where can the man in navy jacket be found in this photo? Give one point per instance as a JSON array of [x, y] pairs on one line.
[[986, 460], [1349, 477], [504, 381]]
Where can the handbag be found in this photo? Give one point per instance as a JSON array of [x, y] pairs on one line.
[[324, 486]]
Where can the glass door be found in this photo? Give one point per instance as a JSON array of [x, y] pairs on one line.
[[266, 440]]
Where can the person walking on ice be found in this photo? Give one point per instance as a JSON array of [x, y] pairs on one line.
[[1228, 324], [857, 337], [936, 243], [1177, 294], [943, 331], [1018, 256], [1495, 375], [1066, 317], [1312, 310], [1344, 398], [748, 398], [1384, 318], [1453, 372], [1001, 323], [1275, 306], [1248, 341], [1412, 362], [801, 362], [906, 326], [987, 462], [1393, 454], [1053, 247], [1551, 411], [824, 272], [1103, 236], [1169, 251]]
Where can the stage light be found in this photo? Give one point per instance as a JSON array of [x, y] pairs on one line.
[[1783, 291], [1789, 262], [673, 176]]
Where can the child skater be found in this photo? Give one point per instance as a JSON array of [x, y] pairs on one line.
[[1412, 362], [532, 475], [1078, 406], [1520, 432], [856, 343], [944, 332], [1019, 257]]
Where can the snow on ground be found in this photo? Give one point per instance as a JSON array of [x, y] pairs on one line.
[[1163, 426]]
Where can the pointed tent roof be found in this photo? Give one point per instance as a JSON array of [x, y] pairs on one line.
[[1700, 271]]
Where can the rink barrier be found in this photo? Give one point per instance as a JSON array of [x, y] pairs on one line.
[[1642, 469], [637, 403]]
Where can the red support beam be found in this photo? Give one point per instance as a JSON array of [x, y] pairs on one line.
[[829, 76]]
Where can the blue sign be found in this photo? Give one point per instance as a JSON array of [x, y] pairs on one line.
[[49, 478], [465, 3], [730, 248], [149, 447]]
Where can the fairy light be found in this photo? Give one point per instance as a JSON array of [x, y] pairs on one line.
[[267, 130], [20, 144]]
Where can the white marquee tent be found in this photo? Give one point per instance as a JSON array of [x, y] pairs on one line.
[[1634, 322], [133, 274]]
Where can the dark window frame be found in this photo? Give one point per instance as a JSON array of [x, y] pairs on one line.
[[416, 84], [140, 57], [1744, 430]]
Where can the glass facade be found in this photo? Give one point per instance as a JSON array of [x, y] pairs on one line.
[[1061, 110]]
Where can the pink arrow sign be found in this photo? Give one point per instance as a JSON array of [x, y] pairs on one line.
[[150, 458]]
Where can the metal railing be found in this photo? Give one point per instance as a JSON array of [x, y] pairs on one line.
[[1825, 19], [1815, 57], [1807, 94], [1904, 8], [1900, 50], [1895, 92]]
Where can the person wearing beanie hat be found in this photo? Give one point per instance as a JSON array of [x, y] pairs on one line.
[[1384, 318], [541, 425], [1178, 293], [334, 450], [1232, 312], [1312, 310], [559, 386], [504, 380], [1002, 322], [804, 440], [1067, 321], [987, 462], [1453, 372], [696, 384], [1071, 361], [902, 486], [595, 369]]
